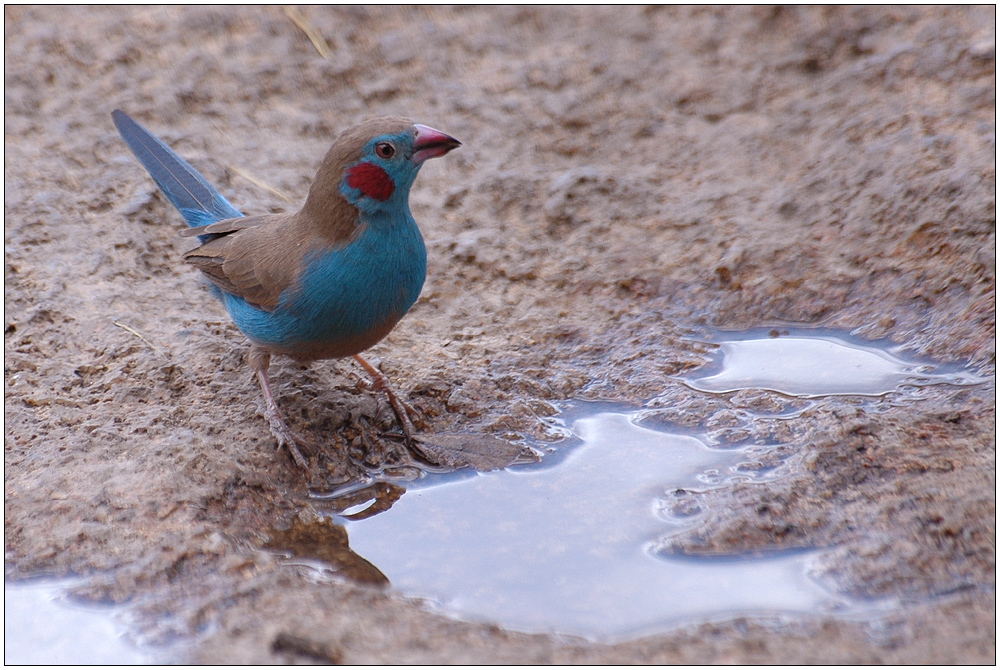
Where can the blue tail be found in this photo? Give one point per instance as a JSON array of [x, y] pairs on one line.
[[197, 201]]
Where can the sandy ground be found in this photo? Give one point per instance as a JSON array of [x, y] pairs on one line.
[[627, 175]]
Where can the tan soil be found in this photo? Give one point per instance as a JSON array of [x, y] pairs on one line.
[[628, 176]]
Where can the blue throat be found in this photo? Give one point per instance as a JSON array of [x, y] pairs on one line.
[[344, 295]]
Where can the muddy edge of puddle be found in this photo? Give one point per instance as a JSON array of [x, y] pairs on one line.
[[626, 175]]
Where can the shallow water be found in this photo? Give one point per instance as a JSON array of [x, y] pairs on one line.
[[817, 363], [42, 626], [569, 548]]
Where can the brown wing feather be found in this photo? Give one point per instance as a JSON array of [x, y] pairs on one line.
[[225, 226], [259, 258], [250, 257]]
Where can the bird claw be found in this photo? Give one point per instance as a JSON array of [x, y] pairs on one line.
[[401, 409], [286, 438]]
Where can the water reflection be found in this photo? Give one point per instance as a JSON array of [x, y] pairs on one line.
[[323, 540]]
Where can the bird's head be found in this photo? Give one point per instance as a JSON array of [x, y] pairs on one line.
[[373, 165]]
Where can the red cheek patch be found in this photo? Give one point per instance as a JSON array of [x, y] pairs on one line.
[[371, 180]]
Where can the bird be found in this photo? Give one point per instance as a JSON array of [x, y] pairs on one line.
[[328, 281]]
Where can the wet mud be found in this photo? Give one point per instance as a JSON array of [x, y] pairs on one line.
[[630, 179]]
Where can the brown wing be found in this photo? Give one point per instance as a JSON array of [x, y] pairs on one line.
[[226, 226], [252, 257], [259, 257]]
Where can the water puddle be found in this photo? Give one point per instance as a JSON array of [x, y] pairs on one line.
[[817, 363], [568, 545], [42, 626]]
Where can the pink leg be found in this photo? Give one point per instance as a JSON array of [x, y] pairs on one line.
[[259, 361], [382, 384]]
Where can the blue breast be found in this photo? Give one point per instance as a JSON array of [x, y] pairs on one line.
[[347, 299]]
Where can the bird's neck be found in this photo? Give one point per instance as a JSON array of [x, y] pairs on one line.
[[327, 204]]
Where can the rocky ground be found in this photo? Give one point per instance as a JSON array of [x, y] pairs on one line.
[[627, 175]]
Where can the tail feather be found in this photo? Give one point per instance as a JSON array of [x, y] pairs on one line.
[[197, 201]]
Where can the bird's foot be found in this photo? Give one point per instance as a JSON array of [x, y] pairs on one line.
[[286, 438], [401, 409], [259, 360]]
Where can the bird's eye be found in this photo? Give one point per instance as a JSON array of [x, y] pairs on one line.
[[385, 150]]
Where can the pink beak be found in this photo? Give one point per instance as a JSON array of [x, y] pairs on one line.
[[430, 143]]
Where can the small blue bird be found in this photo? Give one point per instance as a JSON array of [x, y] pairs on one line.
[[328, 281]]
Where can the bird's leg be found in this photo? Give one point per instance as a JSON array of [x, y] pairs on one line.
[[382, 384], [259, 361]]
